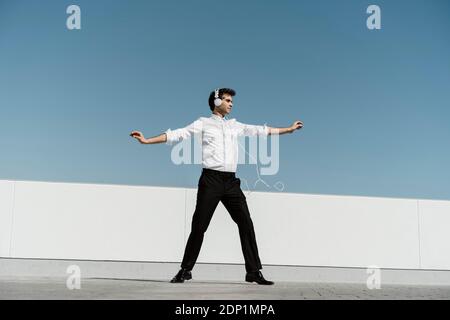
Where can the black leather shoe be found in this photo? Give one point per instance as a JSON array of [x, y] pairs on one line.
[[258, 278], [182, 275]]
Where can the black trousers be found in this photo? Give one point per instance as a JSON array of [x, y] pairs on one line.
[[215, 186]]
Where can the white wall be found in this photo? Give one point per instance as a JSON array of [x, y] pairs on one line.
[[6, 215], [435, 234], [130, 223]]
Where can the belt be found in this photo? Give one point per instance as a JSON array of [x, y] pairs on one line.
[[219, 173]]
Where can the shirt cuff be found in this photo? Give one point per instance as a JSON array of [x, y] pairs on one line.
[[169, 137]]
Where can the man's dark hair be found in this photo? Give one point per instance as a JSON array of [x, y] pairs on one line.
[[222, 91]]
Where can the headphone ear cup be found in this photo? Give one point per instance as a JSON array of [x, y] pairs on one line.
[[217, 102]]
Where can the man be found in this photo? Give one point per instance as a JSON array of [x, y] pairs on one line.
[[218, 181]]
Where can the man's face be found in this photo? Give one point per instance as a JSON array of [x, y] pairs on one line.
[[227, 104]]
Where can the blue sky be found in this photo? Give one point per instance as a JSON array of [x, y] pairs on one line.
[[375, 104]]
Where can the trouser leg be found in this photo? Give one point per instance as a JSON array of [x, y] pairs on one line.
[[208, 197], [235, 202]]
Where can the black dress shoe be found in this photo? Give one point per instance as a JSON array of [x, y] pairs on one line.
[[257, 277], [182, 275]]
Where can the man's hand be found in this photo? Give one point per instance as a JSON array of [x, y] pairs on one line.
[[297, 125], [138, 136]]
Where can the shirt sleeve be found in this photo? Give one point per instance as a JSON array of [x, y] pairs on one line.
[[252, 130], [177, 135]]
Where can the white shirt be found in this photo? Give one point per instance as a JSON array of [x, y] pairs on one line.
[[219, 139]]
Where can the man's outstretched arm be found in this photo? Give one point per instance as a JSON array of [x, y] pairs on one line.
[[170, 136], [295, 126], [162, 138]]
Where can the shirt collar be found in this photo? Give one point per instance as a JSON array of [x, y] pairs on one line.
[[215, 116]]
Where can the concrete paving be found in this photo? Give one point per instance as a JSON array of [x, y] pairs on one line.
[[124, 289]]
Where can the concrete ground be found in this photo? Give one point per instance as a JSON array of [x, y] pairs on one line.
[[124, 289]]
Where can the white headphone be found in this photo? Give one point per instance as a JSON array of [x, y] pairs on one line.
[[217, 100]]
